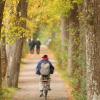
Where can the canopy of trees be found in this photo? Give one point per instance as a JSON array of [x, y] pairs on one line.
[[73, 27]]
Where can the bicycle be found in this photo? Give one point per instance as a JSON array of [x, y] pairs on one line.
[[45, 86]]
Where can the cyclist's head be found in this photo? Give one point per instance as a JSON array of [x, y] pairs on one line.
[[45, 56]]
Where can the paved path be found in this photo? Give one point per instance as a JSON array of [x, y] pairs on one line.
[[29, 81]]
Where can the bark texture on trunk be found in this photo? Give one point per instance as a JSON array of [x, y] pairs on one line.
[[14, 64], [64, 30], [3, 61], [15, 58], [2, 4], [93, 49], [65, 36], [74, 40]]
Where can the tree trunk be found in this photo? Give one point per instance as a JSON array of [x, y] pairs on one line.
[[74, 40], [93, 49], [3, 61], [15, 59], [64, 30], [2, 4]]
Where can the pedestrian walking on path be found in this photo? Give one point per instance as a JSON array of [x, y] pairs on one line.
[[34, 45]]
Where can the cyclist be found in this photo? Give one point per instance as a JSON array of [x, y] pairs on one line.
[[44, 69]]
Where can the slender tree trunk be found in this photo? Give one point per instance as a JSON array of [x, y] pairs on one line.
[[3, 61], [2, 4], [17, 49], [74, 40], [93, 49], [64, 30], [65, 35]]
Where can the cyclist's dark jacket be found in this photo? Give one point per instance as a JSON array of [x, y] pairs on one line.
[[39, 67]]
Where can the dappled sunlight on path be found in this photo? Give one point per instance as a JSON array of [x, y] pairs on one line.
[[29, 81]]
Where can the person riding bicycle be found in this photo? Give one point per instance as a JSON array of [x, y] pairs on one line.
[[44, 69]]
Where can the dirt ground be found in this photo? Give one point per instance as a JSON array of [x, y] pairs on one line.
[[29, 81]]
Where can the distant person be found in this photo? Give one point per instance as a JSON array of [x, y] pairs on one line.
[[38, 45], [44, 69], [32, 44]]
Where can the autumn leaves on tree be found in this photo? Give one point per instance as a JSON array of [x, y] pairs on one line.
[[72, 25]]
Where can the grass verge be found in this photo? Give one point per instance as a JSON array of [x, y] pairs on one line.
[[7, 93], [67, 80], [71, 86]]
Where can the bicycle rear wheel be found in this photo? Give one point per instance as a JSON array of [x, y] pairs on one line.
[[45, 94]]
